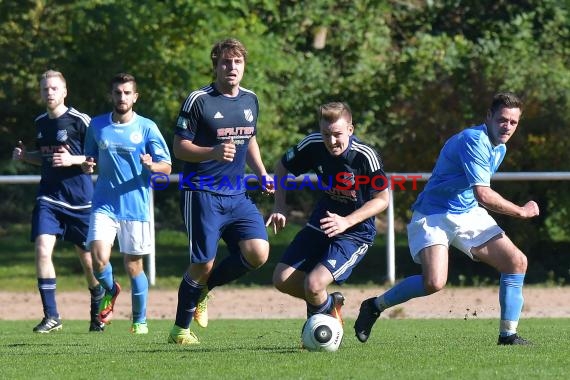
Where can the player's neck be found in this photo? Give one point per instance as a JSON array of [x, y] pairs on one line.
[[122, 118], [57, 111], [227, 90]]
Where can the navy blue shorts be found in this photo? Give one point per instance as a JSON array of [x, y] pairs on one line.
[[338, 255], [209, 217], [67, 224]]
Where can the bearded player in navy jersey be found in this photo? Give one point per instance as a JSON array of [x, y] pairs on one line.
[[341, 227], [216, 137], [63, 202]]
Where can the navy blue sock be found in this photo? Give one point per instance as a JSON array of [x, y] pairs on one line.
[[322, 308], [188, 295], [47, 287], [231, 268], [97, 294]]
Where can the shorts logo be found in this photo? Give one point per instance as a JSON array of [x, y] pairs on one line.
[[135, 137], [332, 262], [61, 135], [248, 115]]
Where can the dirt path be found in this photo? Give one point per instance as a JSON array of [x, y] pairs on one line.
[[245, 303]]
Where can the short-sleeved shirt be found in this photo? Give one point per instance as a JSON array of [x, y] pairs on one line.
[[359, 159], [208, 118], [67, 187], [122, 188], [467, 159]]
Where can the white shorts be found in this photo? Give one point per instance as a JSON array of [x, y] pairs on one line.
[[134, 236], [463, 231]]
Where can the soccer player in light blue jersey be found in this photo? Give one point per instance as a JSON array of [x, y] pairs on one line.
[[452, 210], [126, 149], [63, 202], [216, 137]]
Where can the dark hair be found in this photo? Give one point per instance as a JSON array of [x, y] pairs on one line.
[[121, 78], [233, 47], [505, 100]]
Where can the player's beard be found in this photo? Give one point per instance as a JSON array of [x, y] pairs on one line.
[[122, 110]]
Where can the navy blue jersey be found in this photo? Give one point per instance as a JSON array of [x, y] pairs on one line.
[[357, 161], [66, 186], [208, 118]]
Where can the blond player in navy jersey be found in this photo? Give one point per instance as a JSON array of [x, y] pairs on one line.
[[64, 196], [341, 227], [215, 136]]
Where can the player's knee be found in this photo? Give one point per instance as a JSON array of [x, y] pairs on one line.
[[434, 285], [519, 263]]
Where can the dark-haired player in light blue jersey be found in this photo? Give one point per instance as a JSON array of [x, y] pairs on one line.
[[216, 137], [63, 202], [341, 227], [451, 210], [126, 148]]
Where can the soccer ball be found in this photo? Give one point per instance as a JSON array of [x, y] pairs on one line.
[[322, 332]]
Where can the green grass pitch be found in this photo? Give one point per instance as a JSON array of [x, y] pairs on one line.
[[270, 349]]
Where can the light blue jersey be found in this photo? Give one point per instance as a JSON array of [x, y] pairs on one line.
[[122, 188], [467, 159]]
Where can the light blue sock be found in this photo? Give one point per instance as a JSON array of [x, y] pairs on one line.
[[139, 297], [410, 287], [511, 301], [105, 277]]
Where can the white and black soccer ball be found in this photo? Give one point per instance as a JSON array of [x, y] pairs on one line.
[[322, 332]]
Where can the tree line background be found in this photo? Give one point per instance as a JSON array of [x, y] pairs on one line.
[[414, 72]]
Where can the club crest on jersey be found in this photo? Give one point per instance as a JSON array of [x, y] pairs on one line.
[[182, 123], [61, 135], [136, 137], [104, 144], [248, 115], [290, 154]]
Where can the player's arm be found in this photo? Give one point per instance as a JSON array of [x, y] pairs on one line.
[[20, 153], [334, 224], [155, 167], [278, 217], [186, 150], [255, 163], [63, 158], [493, 201]]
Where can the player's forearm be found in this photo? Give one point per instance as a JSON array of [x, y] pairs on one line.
[[253, 158], [34, 158], [161, 167], [369, 209], [493, 201], [186, 150]]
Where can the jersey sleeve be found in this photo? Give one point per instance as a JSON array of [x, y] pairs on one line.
[[375, 170], [189, 116], [476, 160], [298, 159], [156, 145], [90, 148]]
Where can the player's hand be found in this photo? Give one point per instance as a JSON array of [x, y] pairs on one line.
[[333, 224], [146, 161], [19, 152], [530, 209], [267, 185], [277, 220], [62, 157], [88, 165], [225, 152]]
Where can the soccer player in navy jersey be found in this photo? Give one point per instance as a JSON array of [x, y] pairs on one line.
[[216, 137], [127, 149], [63, 202], [451, 210], [341, 227]]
